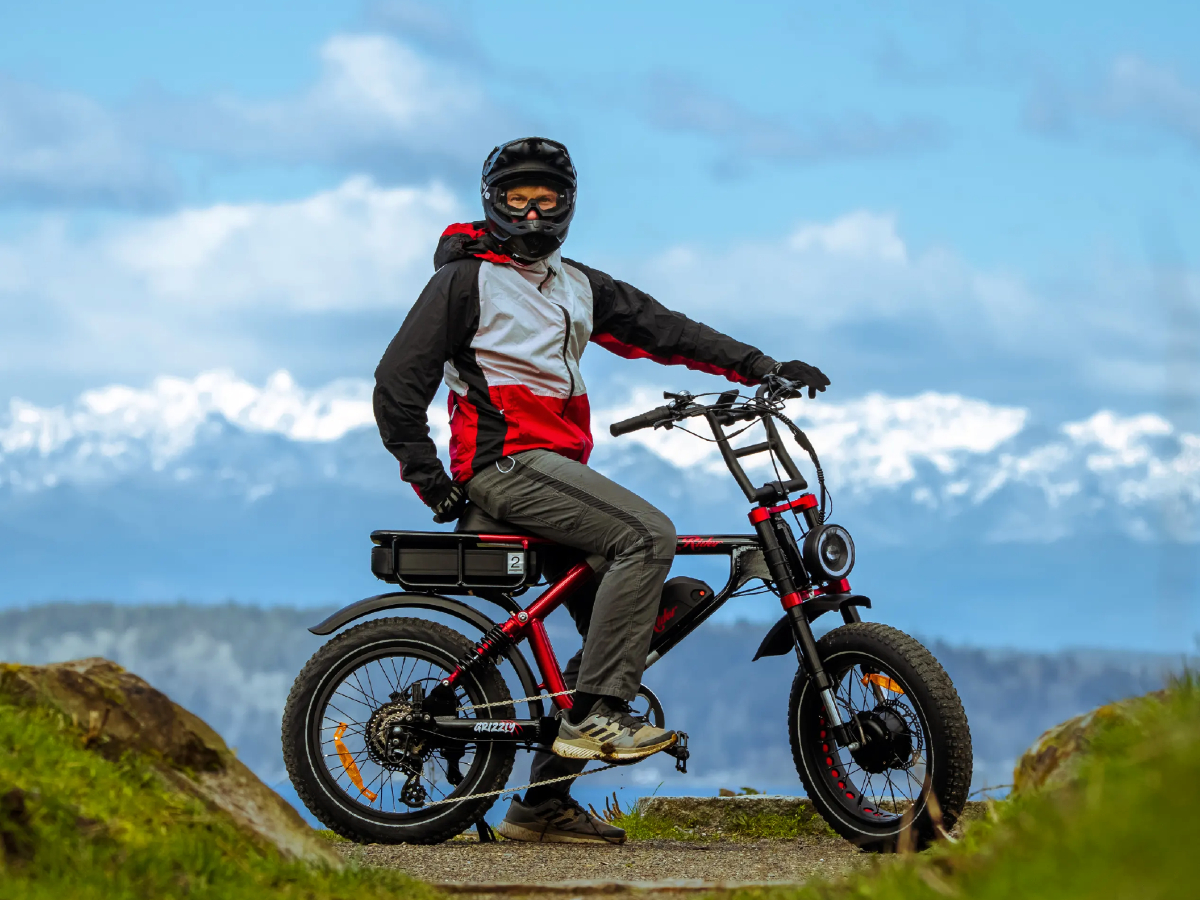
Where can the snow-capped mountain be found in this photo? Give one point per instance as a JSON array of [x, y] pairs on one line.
[[942, 452], [214, 487]]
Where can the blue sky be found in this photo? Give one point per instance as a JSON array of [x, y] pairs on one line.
[[1033, 164], [996, 201]]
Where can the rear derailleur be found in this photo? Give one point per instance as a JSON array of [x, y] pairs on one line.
[[395, 744]]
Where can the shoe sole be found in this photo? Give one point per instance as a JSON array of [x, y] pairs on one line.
[[582, 748], [514, 832]]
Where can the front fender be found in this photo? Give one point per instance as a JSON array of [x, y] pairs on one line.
[[779, 639], [447, 605]]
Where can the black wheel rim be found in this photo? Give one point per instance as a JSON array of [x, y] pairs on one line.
[[888, 779], [357, 689]]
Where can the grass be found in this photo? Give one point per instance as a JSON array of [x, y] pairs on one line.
[[640, 826], [76, 825], [1122, 830]]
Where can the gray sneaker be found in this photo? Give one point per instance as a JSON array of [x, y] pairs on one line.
[[559, 820], [611, 734]]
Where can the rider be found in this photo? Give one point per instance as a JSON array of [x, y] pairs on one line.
[[504, 321]]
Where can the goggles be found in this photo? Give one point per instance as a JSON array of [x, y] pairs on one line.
[[517, 202]]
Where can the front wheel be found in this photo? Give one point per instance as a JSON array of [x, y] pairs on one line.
[[892, 692]]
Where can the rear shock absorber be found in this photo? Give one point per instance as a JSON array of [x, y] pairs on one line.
[[491, 645]]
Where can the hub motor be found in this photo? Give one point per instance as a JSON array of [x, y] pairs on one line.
[[889, 739]]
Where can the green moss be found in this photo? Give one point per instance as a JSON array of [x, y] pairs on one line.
[[640, 826], [1121, 830], [74, 824]]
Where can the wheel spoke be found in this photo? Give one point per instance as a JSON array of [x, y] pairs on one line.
[[366, 701]]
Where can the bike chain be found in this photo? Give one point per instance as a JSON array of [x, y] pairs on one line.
[[469, 707], [523, 787]]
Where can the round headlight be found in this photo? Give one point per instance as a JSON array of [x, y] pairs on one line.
[[829, 552]]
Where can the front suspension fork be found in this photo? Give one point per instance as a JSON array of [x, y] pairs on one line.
[[777, 563], [802, 631]]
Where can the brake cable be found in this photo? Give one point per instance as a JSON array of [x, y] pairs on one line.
[[807, 447]]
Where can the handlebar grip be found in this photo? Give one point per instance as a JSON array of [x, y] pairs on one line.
[[645, 420]]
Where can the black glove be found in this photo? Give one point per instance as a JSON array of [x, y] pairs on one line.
[[451, 505], [803, 374]]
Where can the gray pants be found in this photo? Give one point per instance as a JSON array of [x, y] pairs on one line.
[[628, 540]]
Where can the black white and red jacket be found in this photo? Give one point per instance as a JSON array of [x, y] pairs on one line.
[[507, 339]]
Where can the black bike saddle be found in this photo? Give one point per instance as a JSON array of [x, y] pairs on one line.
[[475, 520]]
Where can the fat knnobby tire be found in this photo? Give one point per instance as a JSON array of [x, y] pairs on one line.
[[302, 743], [929, 697]]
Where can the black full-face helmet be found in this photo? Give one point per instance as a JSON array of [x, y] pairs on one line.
[[531, 161]]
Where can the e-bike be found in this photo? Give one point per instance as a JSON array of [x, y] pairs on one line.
[[401, 729]]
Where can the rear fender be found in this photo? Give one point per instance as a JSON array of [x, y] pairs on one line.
[[780, 641], [449, 606]]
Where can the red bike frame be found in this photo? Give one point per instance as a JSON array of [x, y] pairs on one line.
[[529, 623]]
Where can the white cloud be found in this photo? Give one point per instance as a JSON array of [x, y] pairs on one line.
[[176, 292], [677, 103], [854, 269], [354, 246], [225, 285], [1132, 90], [1139, 89], [377, 105], [857, 235], [62, 148]]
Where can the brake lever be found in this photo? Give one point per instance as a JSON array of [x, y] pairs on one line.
[[779, 389]]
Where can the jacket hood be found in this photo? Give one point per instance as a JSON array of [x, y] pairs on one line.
[[466, 240]]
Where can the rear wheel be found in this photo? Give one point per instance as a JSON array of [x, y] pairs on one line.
[[893, 692], [338, 729]]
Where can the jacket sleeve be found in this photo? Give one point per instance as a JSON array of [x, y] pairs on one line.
[[632, 324], [407, 377]]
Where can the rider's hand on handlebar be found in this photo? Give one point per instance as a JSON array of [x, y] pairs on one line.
[[802, 373], [450, 506]]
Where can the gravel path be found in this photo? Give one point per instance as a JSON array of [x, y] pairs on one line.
[[466, 866]]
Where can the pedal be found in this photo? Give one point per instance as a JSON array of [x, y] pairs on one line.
[[680, 752]]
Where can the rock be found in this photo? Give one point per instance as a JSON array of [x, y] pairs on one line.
[[1054, 758], [117, 712]]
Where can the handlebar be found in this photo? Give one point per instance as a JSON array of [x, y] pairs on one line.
[[730, 408], [645, 420], [773, 390]]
